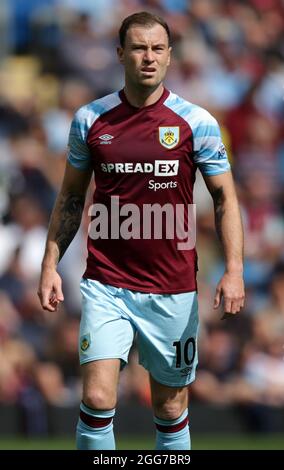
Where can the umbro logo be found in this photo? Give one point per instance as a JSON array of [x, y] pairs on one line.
[[105, 138], [186, 371]]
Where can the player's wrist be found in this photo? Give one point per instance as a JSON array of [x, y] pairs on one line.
[[235, 268], [48, 265]]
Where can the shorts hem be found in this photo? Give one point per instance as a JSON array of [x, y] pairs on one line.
[[168, 384], [98, 358]]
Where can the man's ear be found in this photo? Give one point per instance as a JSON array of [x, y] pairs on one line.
[[169, 58], [120, 54]]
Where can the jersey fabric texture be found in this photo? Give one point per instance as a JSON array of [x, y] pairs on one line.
[[145, 155], [165, 326]]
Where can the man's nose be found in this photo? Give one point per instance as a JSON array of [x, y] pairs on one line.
[[148, 56]]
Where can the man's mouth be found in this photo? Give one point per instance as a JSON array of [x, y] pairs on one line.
[[148, 69]]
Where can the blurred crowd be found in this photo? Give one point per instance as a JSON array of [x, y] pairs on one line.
[[56, 55]]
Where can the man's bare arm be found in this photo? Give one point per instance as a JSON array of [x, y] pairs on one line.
[[230, 231], [64, 224]]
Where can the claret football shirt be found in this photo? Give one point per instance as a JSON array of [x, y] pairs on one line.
[[144, 160]]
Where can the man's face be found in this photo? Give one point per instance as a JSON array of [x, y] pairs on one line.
[[145, 55]]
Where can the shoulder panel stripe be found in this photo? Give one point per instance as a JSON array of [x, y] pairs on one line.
[[84, 118], [209, 153]]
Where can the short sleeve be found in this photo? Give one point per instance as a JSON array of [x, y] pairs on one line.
[[209, 151], [79, 154]]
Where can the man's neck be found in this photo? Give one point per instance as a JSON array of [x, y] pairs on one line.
[[145, 97]]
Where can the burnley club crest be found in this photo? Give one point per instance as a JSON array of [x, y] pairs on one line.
[[169, 136]]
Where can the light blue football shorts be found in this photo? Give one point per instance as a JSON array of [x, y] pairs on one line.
[[165, 326]]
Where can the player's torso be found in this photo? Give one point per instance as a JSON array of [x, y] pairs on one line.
[[142, 155]]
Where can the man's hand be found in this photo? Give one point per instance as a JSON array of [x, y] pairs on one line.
[[231, 289], [50, 289]]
